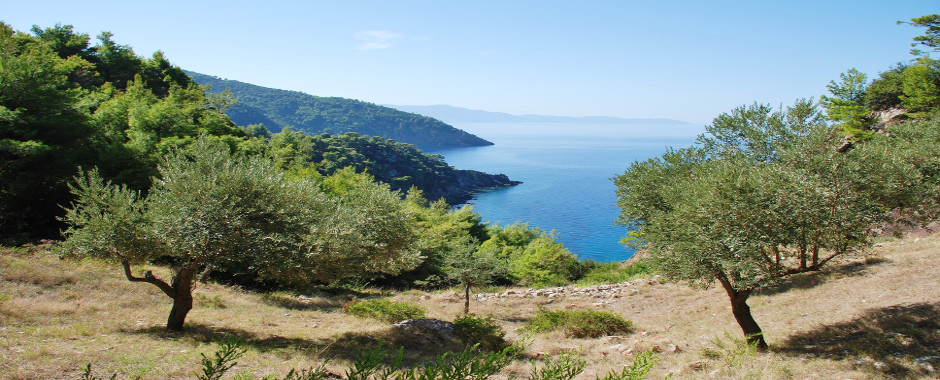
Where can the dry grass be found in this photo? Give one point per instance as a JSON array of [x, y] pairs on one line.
[[57, 315]]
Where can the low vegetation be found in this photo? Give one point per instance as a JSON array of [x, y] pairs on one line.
[[579, 323], [483, 332], [385, 310], [617, 272]]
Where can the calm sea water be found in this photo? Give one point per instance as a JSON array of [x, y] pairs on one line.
[[567, 171]]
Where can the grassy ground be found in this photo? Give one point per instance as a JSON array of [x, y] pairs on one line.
[[862, 319]]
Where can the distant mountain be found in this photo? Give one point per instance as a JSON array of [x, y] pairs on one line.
[[453, 114], [316, 115]]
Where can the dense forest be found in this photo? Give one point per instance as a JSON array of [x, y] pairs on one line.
[[314, 115]]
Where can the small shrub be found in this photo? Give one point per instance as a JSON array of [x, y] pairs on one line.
[[483, 331], [565, 367], [642, 365], [734, 351], [87, 375], [579, 323], [385, 310], [616, 272], [215, 302], [223, 359]]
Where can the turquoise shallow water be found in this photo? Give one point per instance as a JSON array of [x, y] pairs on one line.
[[566, 170]]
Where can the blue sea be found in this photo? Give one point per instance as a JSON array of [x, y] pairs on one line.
[[566, 170]]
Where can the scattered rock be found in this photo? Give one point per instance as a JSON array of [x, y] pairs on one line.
[[864, 362], [427, 330], [597, 291], [927, 363], [698, 365], [619, 347], [617, 338]]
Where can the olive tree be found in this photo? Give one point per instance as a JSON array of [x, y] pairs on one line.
[[765, 195], [210, 207]]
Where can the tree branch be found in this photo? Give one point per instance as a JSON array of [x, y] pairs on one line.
[[148, 278]]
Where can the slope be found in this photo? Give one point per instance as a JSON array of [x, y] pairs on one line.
[[57, 315]]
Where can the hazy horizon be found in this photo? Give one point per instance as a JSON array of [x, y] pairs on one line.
[[683, 60]]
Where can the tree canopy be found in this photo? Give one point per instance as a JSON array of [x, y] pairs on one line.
[[765, 196], [212, 208]]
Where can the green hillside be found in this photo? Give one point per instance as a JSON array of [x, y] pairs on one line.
[[315, 115]]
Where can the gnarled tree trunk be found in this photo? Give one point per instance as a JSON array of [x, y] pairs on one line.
[[742, 314], [183, 301], [181, 291]]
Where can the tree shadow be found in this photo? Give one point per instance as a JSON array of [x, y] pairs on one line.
[[304, 303], [319, 299], [893, 335], [202, 333], [415, 348], [811, 280]]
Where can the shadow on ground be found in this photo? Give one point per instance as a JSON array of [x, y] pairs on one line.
[[893, 335], [812, 279], [415, 349]]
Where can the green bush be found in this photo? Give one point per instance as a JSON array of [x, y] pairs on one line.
[[616, 272], [579, 323], [545, 262], [532, 256], [385, 310], [483, 331]]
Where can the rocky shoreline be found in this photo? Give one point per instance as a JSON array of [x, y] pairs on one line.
[[466, 183]]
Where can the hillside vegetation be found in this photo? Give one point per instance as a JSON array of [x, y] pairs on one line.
[[861, 319], [67, 106], [314, 115]]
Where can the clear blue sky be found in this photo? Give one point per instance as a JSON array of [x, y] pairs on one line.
[[687, 60]]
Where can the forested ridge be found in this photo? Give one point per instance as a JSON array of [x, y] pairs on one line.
[[313, 115]]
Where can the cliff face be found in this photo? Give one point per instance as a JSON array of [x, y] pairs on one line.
[[466, 183]]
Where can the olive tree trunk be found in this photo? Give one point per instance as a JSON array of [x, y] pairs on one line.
[[181, 291], [183, 301], [466, 300], [742, 314]]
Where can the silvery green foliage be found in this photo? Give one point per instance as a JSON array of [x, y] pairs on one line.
[[767, 195], [212, 208], [223, 209]]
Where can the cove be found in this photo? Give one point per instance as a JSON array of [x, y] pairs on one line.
[[566, 170]]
